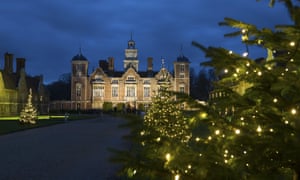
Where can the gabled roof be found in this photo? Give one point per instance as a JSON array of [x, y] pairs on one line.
[[9, 80], [33, 83]]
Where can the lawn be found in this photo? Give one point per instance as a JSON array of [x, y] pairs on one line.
[[12, 124]]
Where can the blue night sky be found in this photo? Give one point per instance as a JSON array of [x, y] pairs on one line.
[[48, 33]]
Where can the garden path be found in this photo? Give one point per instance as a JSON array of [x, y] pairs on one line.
[[73, 150]]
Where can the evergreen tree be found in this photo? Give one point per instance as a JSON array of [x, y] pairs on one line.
[[254, 113], [29, 112], [252, 117], [159, 141]]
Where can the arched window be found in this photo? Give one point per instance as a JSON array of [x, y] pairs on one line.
[[78, 89]]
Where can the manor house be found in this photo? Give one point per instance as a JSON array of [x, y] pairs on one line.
[[132, 88], [15, 85]]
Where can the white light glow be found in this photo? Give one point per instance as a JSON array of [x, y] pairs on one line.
[[259, 73], [168, 156], [293, 111], [292, 43], [259, 129]]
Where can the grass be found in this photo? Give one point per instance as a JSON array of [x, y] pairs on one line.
[[12, 124]]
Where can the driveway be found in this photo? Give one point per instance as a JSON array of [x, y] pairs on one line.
[[73, 150]]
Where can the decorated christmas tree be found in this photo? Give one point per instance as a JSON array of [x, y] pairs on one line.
[[250, 127], [254, 110], [29, 112]]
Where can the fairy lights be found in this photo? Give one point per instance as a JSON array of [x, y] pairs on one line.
[[244, 35], [203, 115], [168, 157], [245, 54], [259, 129], [286, 122], [259, 73], [293, 111], [292, 43]]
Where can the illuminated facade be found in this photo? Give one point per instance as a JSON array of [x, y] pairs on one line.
[[14, 88], [130, 88]]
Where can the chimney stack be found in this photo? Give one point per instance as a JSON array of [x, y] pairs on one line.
[[149, 64], [8, 62], [20, 65], [103, 64], [111, 64]]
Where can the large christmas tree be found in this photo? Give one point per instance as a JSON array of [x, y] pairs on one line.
[[252, 117], [254, 111]]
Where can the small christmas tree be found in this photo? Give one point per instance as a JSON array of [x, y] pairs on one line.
[[29, 112]]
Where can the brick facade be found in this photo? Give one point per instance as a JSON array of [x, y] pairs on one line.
[[132, 88]]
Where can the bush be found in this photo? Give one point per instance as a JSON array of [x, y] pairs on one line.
[[107, 106]]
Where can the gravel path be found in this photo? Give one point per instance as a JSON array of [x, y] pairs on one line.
[[73, 150]]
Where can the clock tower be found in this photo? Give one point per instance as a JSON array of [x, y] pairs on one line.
[[131, 56]]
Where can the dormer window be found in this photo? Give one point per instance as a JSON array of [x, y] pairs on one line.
[[114, 81], [147, 82], [98, 78], [130, 78]]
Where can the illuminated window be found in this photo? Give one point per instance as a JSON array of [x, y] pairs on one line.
[[114, 91], [78, 89], [115, 81], [146, 91], [130, 78], [98, 77], [130, 91], [147, 82], [98, 91], [181, 67], [181, 75], [79, 69], [181, 89]]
